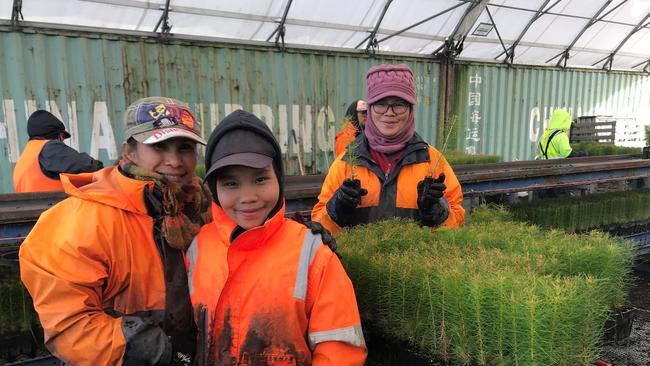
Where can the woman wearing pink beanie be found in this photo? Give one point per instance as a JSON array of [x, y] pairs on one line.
[[389, 170]]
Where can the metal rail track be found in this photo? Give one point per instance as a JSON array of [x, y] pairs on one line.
[[18, 212], [476, 179]]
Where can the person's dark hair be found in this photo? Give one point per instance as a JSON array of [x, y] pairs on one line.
[[132, 143]]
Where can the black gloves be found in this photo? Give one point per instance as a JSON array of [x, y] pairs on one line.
[[326, 236], [433, 207], [576, 154], [341, 206]]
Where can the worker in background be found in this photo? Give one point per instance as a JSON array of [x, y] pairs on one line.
[[106, 266], [390, 171], [554, 143], [46, 156], [264, 289], [354, 122]]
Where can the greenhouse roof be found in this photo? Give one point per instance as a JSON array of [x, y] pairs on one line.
[[609, 34]]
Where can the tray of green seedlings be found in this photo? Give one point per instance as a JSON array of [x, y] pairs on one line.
[[458, 157], [16, 310], [596, 149], [495, 292], [576, 214]]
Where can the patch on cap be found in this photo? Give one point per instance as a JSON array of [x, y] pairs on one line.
[[155, 119]]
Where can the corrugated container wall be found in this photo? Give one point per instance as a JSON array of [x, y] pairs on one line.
[[503, 111], [88, 80]]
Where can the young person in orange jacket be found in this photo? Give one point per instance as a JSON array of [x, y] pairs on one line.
[[264, 288], [105, 267], [391, 171]]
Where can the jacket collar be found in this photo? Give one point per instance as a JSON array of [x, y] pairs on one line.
[[248, 239], [415, 151], [109, 187]]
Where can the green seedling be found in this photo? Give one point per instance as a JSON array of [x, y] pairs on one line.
[[495, 292]]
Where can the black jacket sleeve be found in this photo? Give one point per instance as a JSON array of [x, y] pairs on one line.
[[57, 157]]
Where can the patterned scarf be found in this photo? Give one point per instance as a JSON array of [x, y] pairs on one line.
[[185, 206]]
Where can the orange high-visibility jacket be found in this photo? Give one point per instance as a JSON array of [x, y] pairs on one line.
[[344, 137], [95, 274], [275, 295], [392, 195], [28, 176]]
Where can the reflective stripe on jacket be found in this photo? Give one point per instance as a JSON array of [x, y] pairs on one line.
[[275, 295], [28, 176], [343, 138], [395, 194], [95, 274]]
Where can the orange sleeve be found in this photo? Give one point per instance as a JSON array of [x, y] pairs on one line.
[[334, 329], [453, 193], [327, 353], [64, 270], [335, 176]]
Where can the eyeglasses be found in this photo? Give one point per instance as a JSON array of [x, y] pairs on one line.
[[398, 107]]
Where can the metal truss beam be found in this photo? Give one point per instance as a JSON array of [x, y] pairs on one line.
[[17, 12], [372, 44], [453, 45], [489, 13], [280, 31], [163, 23], [422, 21], [510, 52], [646, 68], [564, 55], [608, 60]]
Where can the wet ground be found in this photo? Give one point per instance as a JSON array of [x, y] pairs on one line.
[[634, 351]]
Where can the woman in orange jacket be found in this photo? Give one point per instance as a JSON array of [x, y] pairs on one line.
[[105, 267], [355, 119], [265, 290], [391, 171]]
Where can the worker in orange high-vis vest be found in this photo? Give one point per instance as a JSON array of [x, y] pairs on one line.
[[355, 119], [46, 156], [265, 290]]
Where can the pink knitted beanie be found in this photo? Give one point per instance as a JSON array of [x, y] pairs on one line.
[[390, 81]]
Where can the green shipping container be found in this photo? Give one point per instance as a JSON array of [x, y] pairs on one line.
[[504, 110], [88, 80]]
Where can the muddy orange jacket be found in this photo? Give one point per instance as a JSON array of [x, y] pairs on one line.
[[344, 137], [275, 295], [392, 195], [95, 274], [28, 176]]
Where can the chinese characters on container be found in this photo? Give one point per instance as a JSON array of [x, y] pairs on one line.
[[474, 101]]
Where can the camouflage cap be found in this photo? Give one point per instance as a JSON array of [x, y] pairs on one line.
[[155, 119]]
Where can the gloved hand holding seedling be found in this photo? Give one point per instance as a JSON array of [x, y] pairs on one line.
[[432, 205], [347, 197]]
